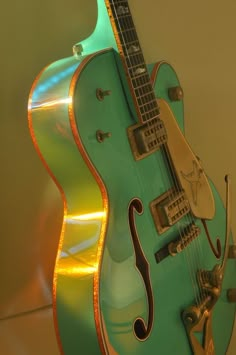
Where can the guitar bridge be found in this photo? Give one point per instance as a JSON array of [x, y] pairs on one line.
[[147, 138]]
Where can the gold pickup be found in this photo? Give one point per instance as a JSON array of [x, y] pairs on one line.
[[168, 209], [147, 137]]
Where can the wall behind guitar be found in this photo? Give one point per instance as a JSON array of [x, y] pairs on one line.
[[197, 38]]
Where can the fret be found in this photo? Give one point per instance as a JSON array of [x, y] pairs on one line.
[[119, 2], [135, 55], [148, 105], [146, 98], [124, 16], [131, 43], [124, 24], [147, 116], [137, 70], [141, 75], [128, 36], [134, 61], [140, 81], [141, 90], [141, 85], [119, 8], [130, 29]]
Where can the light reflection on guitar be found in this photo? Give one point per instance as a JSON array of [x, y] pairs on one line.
[[129, 285]]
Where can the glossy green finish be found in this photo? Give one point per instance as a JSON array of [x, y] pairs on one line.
[[60, 115], [102, 36], [122, 293]]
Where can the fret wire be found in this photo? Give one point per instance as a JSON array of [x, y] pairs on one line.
[[141, 87], [147, 116], [141, 83], [142, 90], [151, 100], [127, 37], [131, 29], [148, 105], [135, 60], [121, 17], [141, 76], [141, 80], [132, 43], [133, 63], [140, 65], [126, 23], [145, 98], [151, 113], [119, 2], [135, 56]]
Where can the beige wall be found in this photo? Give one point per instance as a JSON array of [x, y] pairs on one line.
[[197, 37]]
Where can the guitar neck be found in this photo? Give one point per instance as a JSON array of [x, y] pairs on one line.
[[133, 60]]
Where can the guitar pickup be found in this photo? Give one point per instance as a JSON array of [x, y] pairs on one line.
[[168, 209], [147, 138]]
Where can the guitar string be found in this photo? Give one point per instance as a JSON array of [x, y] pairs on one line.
[[176, 184], [196, 245], [149, 93], [180, 230]]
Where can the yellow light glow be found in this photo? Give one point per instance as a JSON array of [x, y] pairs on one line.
[[76, 270], [87, 216], [46, 104]]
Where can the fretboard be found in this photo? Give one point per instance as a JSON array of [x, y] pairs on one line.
[[133, 59]]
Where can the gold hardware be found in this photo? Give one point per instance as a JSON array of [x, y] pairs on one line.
[[146, 138], [231, 295], [187, 236], [197, 322], [199, 318], [102, 93], [101, 136], [175, 93], [232, 252], [177, 245], [211, 281], [168, 209], [77, 50]]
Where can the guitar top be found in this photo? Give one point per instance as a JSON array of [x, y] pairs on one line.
[[145, 262]]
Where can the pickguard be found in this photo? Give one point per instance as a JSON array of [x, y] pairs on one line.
[[189, 172]]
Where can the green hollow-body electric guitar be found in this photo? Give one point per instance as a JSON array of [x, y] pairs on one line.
[[145, 262]]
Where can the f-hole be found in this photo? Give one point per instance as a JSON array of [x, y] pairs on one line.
[[142, 329]]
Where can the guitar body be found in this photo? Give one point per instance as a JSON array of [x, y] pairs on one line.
[[99, 290]]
